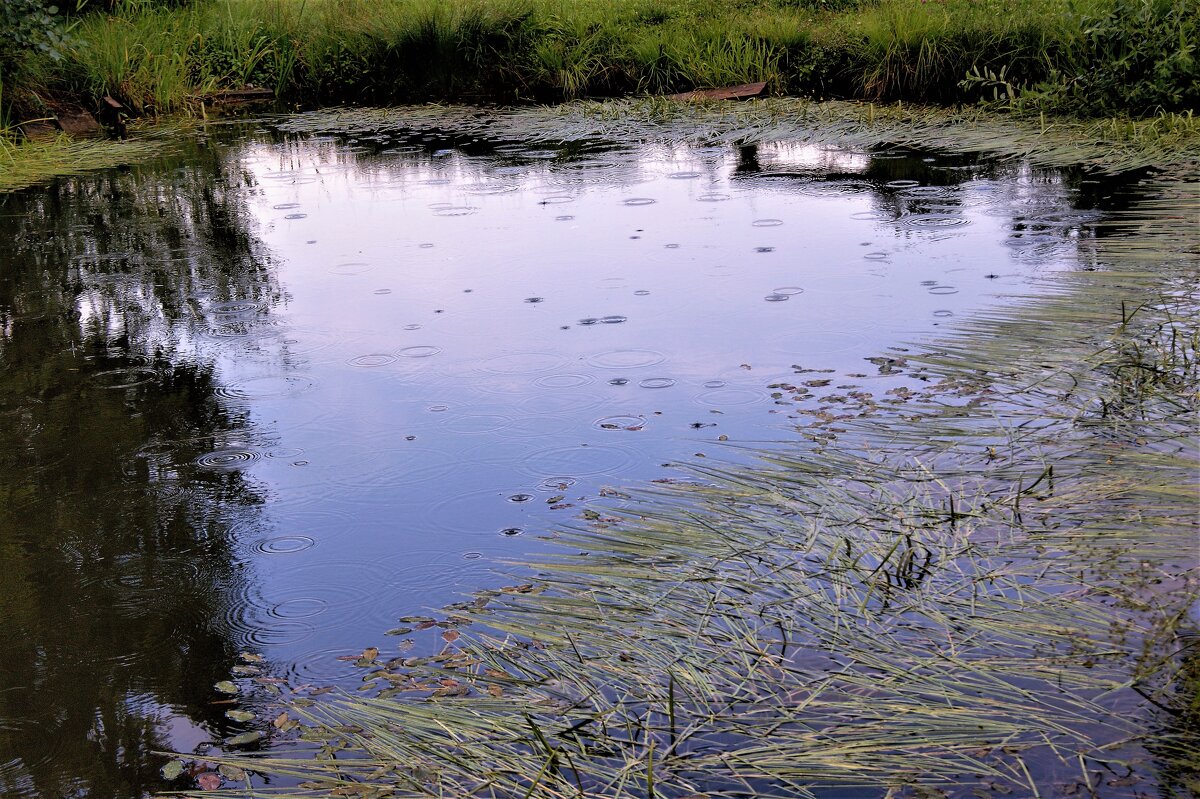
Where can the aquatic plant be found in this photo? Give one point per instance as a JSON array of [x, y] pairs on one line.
[[1109, 146], [29, 163]]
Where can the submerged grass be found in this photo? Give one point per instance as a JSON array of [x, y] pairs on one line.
[[30, 163], [985, 585], [1109, 146]]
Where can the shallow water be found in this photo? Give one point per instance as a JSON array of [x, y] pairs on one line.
[[277, 392]]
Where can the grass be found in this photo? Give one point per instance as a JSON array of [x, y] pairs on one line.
[[1108, 146], [26, 164], [1081, 56], [983, 584]]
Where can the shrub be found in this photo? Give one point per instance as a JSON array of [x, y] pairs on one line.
[[29, 25], [1141, 57]]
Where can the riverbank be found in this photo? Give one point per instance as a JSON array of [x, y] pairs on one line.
[[1095, 57], [1126, 61], [1102, 145]]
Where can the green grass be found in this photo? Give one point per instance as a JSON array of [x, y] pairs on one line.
[[1130, 56], [31, 163]]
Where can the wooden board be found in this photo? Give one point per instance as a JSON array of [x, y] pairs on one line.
[[249, 95], [740, 92]]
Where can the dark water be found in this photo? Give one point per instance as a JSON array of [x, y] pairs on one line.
[[272, 394]]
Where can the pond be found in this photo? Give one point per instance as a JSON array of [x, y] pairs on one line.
[[277, 391]]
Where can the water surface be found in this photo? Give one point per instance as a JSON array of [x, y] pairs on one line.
[[275, 393]]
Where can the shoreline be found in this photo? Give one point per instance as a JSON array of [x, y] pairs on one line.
[[1108, 146]]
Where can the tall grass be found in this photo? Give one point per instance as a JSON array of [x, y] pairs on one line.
[[315, 51]]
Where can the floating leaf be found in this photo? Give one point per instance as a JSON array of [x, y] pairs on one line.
[[172, 771], [209, 781], [450, 636], [245, 738], [452, 690], [250, 657], [226, 687], [370, 653], [240, 716], [284, 723], [231, 772]]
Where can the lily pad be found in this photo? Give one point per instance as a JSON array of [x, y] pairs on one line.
[[226, 687], [172, 771], [239, 715]]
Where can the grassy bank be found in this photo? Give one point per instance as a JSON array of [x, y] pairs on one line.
[[1082, 56]]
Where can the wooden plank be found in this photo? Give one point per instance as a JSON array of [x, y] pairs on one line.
[[248, 95], [740, 92]]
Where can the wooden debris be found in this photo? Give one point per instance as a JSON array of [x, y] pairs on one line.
[[740, 92], [249, 94], [79, 124], [113, 115]]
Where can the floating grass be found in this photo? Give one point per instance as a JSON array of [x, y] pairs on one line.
[[1110, 146], [985, 586], [30, 163]]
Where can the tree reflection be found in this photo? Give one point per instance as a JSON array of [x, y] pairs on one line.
[[119, 574]]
